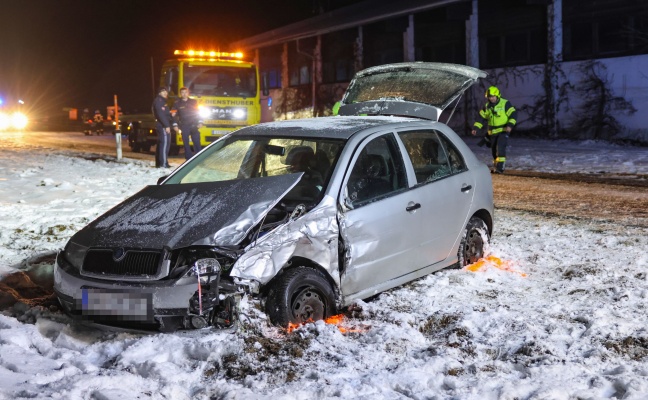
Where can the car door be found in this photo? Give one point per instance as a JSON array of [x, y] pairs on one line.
[[444, 190], [376, 226]]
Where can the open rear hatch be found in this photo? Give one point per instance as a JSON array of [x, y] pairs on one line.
[[419, 89]]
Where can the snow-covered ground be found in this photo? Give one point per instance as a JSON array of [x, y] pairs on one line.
[[568, 156], [571, 323]]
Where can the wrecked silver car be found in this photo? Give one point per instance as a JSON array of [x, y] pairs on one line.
[[307, 215]]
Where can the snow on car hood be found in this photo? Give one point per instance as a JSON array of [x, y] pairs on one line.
[[173, 216], [417, 89]]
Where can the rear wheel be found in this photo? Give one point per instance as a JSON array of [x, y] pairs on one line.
[[474, 242], [300, 295]]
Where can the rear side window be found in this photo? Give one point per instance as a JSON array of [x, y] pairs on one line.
[[432, 155], [457, 162]]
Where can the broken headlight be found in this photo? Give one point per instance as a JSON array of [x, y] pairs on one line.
[[74, 254], [204, 267]]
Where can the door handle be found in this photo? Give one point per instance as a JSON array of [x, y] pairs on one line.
[[412, 207], [466, 188]]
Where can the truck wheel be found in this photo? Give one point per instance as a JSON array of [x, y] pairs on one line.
[[145, 147], [174, 151], [300, 295], [135, 147]]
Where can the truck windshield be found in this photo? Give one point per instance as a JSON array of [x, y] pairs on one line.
[[207, 80]]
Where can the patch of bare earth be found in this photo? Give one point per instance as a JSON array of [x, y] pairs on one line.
[[572, 196]]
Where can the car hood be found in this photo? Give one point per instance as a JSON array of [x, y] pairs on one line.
[[180, 215], [417, 89]]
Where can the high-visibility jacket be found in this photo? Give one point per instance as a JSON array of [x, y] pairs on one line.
[[497, 116]]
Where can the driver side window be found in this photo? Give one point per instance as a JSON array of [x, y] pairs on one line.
[[378, 172]]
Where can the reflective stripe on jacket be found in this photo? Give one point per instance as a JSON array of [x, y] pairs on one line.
[[498, 116]]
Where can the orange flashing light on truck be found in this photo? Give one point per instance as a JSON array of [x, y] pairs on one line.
[[227, 90]]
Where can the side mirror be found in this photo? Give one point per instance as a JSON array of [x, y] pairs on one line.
[[161, 179]]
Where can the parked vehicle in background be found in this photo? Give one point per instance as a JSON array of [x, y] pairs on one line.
[[225, 86], [307, 215], [13, 120]]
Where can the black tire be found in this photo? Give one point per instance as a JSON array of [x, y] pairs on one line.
[[145, 147], [473, 242], [174, 150], [300, 295]]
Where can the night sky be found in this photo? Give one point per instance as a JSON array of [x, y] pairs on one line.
[[79, 53]]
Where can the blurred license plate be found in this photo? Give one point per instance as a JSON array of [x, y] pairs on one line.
[[115, 303], [215, 132]]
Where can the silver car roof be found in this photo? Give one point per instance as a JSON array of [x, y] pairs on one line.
[[326, 127]]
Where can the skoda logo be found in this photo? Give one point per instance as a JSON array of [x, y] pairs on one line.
[[119, 253]]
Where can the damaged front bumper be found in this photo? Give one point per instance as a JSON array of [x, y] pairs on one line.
[[166, 305]]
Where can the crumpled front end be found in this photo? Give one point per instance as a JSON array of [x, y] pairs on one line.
[[313, 236], [191, 297]]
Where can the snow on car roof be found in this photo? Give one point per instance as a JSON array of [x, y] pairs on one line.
[[328, 127]]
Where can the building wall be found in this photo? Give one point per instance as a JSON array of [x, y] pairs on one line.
[[522, 73], [626, 76]]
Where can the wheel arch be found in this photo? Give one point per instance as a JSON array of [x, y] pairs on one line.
[[297, 261], [485, 216]]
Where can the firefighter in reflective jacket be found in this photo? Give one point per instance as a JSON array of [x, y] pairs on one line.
[[500, 116]]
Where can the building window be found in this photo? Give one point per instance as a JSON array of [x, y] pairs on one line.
[[440, 34], [337, 56], [383, 42], [605, 28], [270, 65], [512, 33], [300, 63]]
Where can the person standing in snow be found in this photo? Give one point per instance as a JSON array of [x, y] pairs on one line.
[[163, 127], [98, 122], [500, 116], [188, 121]]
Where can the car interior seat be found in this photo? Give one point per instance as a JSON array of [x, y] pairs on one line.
[[432, 160], [302, 159]]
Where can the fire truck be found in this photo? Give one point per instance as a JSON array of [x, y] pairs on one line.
[[226, 87]]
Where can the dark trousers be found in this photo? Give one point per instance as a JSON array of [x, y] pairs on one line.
[[498, 147], [193, 132], [163, 146]]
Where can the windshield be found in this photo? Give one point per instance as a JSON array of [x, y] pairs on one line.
[[207, 80], [238, 157]]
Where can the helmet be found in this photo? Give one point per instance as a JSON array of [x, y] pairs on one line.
[[492, 91], [97, 112]]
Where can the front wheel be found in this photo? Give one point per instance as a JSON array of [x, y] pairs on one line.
[[300, 295], [474, 242]]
